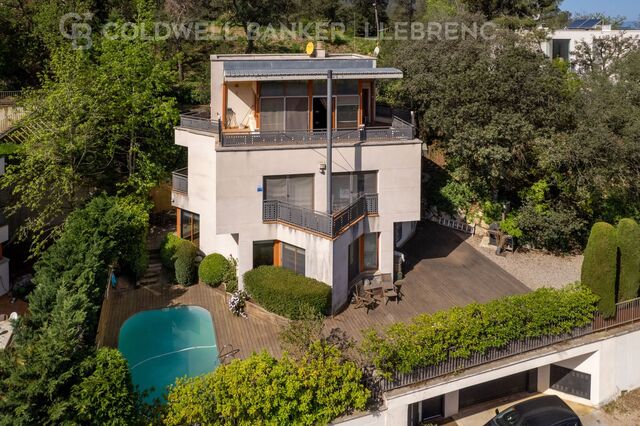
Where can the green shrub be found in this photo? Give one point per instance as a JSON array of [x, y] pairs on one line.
[[462, 331], [185, 262], [261, 390], [629, 247], [600, 264], [168, 250], [213, 269], [284, 292]]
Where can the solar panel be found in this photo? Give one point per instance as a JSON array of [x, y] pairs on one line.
[[583, 24]]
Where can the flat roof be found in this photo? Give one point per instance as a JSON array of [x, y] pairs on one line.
[[299, 66]]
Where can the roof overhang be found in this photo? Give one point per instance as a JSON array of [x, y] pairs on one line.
[[316, 74]]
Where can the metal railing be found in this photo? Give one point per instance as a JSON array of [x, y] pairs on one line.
[[180, 181], [626, 312], [319, 222], [8, 97], [398, 130]]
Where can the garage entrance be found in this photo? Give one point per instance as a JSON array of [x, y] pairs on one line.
[[527, 381]]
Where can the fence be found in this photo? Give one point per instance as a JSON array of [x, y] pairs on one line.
[[180, 181], [626, 312]]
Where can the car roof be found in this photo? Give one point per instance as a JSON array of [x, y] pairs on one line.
[[544, 411]]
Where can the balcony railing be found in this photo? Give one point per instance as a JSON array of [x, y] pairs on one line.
[[626, 313], [398, 130], [180, 182], [319, 222]]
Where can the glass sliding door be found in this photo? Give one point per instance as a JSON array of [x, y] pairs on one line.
[[370, 250], [284, 106], [348, 187], [272, 114], [190, 226], [293, 189], [347, 112]]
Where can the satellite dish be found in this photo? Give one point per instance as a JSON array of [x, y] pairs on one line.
[[310, 49]]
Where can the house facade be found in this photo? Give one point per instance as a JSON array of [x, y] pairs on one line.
[[257, 182], [562, 43]]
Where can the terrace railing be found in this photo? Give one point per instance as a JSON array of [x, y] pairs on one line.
[[399, 129], [318, 222], [626, 313], [180, 181]]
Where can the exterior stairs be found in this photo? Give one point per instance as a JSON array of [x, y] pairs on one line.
[[154, 270]]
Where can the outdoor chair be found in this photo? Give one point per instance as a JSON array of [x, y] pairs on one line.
[[393, 291], [363, 299]]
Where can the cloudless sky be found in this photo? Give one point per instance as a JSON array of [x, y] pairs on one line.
[[628, 8]]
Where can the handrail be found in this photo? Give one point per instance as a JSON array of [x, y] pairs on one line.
[[626, 313], [319, 222], [180, 181]]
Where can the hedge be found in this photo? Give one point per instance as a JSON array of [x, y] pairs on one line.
[[283, 292], [600, 266], [261, 390], [460, 332], [629, 248], [168, 250], [213, 269], [185, 262]]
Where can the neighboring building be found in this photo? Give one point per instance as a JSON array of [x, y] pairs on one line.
[[562, 43], [256, 183], [4, 237]]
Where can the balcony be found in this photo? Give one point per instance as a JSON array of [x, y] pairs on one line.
[[326, 225], [399, 129], [180, 181]]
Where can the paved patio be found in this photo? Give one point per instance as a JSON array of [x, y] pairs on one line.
[[441, 271]]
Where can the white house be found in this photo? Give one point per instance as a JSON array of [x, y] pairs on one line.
[[257, 178], [562, 43]]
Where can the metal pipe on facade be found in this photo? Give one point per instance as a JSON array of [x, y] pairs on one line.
[[329, 141]]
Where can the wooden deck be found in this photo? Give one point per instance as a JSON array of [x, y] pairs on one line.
[[252, 334], [442, 271]]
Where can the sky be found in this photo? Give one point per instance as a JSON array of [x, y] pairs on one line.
[[628, 8]]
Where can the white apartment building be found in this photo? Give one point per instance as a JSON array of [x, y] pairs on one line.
[[256, 184], [562, 43]]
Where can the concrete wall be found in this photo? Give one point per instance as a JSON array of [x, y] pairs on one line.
[[611, 362]]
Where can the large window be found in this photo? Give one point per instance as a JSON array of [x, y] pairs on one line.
[[347, 112], [293, 189], [561, 49], [284, 106], [347, 187], [363, 255], [293, 258], [190, 226], [346, 102], [263, 253]]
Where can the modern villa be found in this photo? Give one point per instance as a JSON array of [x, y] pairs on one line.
[[562, 43], [258, 176]]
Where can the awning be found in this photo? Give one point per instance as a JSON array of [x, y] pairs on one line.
[[314, 74]]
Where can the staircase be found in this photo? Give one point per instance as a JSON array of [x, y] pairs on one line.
[[152, 275]]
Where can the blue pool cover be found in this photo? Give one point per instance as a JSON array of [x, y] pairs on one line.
[[162, 345]]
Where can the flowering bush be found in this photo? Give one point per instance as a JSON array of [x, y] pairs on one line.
[[238, 302]]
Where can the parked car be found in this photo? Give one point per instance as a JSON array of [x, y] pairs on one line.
[[544, 411]]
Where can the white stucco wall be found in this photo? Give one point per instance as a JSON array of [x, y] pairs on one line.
[[577, 36], [241, 98], [611, 362]]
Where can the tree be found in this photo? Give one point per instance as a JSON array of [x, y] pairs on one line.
[[519, 8], [101, 121], [599, 267], [263, 390], [105, 395], [629, 252], [604, 53]]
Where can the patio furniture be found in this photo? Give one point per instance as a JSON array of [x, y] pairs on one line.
[[392, 291], [363, 298], [374, 286]]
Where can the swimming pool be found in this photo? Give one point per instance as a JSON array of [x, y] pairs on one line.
[[164, 344]]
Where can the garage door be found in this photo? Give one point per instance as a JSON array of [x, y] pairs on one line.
[[494, 389]]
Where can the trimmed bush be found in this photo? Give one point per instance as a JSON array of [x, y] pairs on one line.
[[168, 250], [261, 390], [629, 247], [600, 265], [185, 262], [284, 292], [462, 331], [213, 269]]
